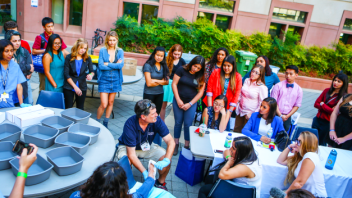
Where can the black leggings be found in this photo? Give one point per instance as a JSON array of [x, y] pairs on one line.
[[156, 99], [205, 190], [69, 97]]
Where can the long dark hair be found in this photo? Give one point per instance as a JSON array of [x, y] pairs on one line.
[[268, 71], [151, 61], [214, 58], [232, 60], [49, 46], [343, 90], [245, 153], [4, 43], [272, 109], [108, 180], [220, 97], [200, 74]]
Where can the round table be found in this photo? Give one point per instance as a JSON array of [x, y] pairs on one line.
[[97, 154]]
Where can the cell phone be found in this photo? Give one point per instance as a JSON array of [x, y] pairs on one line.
[[19, 146], [207, 131], [219, 151]]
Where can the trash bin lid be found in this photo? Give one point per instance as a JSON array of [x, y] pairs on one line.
[[246, 55]]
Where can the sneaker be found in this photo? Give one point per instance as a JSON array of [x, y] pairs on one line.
[[105, 124], [159, 185]]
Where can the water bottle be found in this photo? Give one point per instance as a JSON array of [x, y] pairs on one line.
[[270, 132], [330, 162], [228, 140]]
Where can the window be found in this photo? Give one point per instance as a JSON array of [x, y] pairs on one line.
[[348, 24], [76, 12], [8, 11], [346, 38], [295, 30], [290, 15], [57, 11], [222, 22], [221, 5], [276, 30], [149, 12], [208, 16], [131, 9]]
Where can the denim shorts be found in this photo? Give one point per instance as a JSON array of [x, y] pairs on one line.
[[109, 82]]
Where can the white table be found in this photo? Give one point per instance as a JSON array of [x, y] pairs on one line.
[[97, 154], [338, 182]]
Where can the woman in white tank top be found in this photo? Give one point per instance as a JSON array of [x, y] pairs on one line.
[[304, 168], [242, 166]]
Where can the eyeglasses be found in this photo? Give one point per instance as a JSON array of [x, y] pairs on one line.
[[57, 44], [218, 105], [298, 142], [255, 72], [148, 107]]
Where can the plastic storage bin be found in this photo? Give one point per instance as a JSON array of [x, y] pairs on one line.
[[57, 122], [41, 136], [79, 142], [6, 154], [245, 61], [9, 132], [37, 173], [66, 160], [87, 130], [76, 115]]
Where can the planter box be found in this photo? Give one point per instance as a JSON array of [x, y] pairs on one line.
[[312, 83]]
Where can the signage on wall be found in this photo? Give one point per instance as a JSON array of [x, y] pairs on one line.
[[34, 3]]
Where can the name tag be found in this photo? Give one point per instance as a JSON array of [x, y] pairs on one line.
[[4, 96], [145, 146], [150, 133], [195, 81]]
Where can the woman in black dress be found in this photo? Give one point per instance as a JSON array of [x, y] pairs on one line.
[[341, 124]]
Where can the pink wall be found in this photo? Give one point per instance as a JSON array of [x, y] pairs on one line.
[[249, 23], [321, 35], [172, 9]]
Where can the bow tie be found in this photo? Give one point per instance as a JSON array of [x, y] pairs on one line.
[[289, 85]]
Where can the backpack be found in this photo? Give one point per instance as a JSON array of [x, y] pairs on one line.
[[37, 59]]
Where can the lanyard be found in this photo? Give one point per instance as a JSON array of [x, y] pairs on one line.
[[140, 138], [2, 78]]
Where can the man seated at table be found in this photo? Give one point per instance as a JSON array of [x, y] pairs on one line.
[[137, 138]]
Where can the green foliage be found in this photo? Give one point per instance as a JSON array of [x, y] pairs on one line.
[[203, 37], [4, 17]]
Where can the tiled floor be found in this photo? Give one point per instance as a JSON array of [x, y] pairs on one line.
[[123, 109]]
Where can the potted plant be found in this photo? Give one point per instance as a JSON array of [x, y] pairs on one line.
[[4, 17]]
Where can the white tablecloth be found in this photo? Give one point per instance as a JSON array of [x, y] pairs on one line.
[[338, 182]]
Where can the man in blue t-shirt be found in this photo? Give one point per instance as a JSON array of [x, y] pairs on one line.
[[137, 138]]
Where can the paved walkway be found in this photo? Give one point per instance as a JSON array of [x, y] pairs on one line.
[[123, 109]]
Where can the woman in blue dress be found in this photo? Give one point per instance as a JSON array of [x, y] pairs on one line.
[[53, 63], [109, 75]]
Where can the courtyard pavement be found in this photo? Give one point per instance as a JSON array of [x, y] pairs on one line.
[[123, 109]]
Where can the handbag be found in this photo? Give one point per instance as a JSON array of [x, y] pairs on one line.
[[282, 140], [190, 171], [37, 59]]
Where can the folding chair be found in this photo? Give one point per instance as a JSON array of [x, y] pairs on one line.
[[198, 114], [230, 189], [51, 99], [294, 121], [125, 164], [299, 130]]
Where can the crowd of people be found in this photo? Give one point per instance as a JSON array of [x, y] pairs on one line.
[[259, 102]]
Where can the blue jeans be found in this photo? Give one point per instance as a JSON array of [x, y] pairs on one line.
[[183, 117], [29, 99]]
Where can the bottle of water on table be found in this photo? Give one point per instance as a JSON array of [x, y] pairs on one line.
[[330, 162], [228, 140], [270, 133]]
